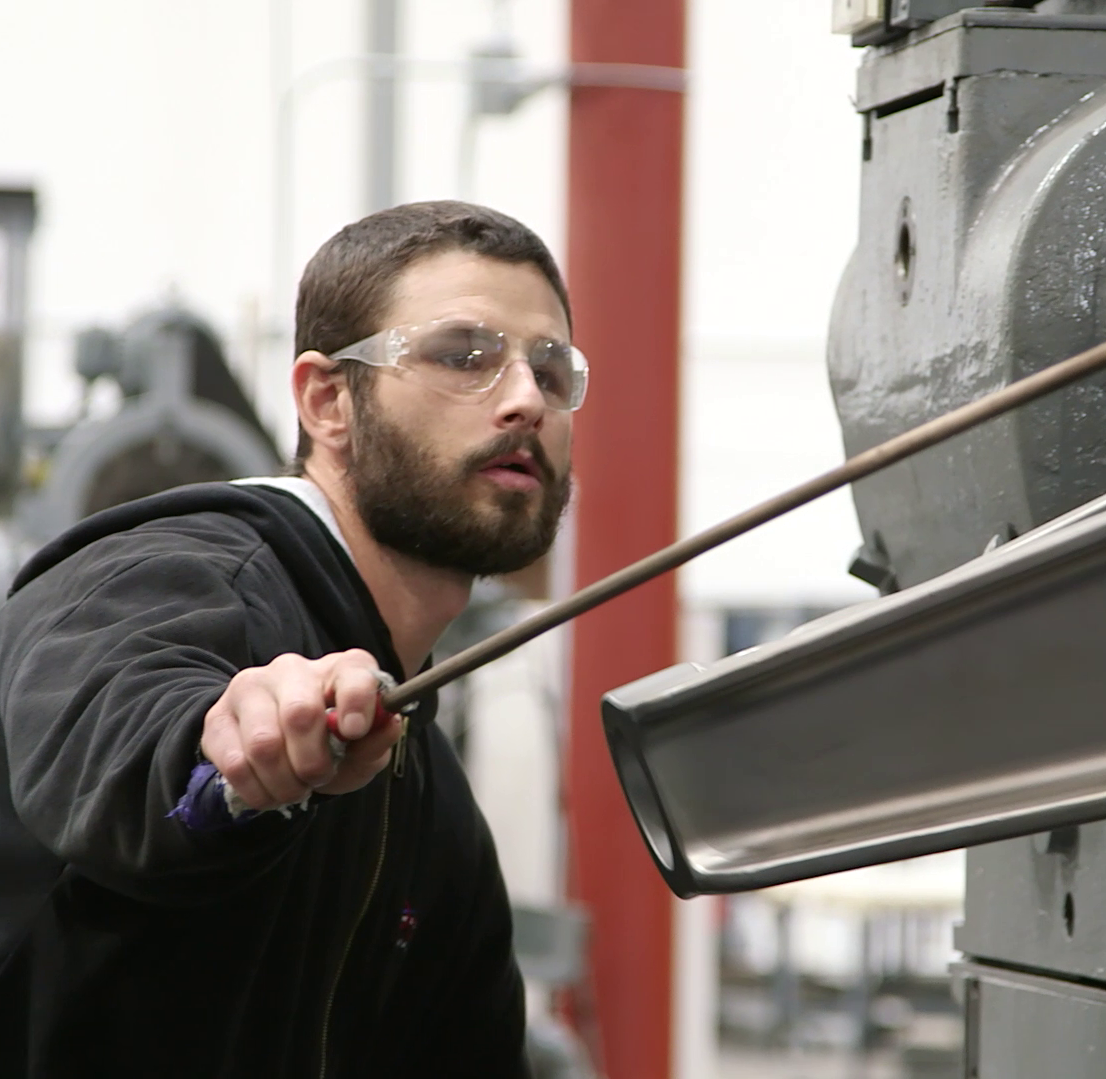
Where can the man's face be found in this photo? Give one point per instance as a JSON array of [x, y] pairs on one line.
[[475, 483]]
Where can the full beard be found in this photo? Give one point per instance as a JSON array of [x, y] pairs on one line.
[[424, 510]]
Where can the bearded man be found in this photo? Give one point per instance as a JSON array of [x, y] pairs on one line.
[[341, 914]]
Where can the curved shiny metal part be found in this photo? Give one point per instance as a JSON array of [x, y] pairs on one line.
[[960, 711]]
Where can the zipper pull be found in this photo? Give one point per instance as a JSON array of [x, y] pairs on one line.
[[399, 754]]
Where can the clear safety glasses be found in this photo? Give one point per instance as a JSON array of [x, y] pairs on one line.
[[464, 358]]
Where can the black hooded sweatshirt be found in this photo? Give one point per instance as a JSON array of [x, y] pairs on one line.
[[369, 935]]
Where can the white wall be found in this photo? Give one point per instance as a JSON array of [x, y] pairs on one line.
[[772, 196], [773, 168], [758, 419]]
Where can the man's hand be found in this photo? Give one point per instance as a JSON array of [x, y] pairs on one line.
[[267, 733]]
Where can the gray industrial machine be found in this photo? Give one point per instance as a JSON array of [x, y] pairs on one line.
[[982, 240], [982, 258], [967, 704], [183, 419]]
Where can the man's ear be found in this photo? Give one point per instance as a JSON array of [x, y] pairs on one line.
[[323, 401]]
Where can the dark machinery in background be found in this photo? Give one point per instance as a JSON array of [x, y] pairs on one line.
[[967, 705], [183, 419], [17, 222]]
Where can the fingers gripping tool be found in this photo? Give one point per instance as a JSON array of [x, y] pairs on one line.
[[211, 802]]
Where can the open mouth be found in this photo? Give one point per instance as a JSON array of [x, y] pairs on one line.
[[516, 470], [518, 463]]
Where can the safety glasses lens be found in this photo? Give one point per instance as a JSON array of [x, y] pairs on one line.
[[464, 358], [553, 367]]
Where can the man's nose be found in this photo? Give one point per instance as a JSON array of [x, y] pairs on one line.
[[519, 401]]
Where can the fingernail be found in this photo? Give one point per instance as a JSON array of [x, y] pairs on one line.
[[354, 725]]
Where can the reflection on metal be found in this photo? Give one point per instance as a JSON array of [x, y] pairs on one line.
[[959, 711]]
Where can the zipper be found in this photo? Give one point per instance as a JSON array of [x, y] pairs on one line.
[[399, 757], [364, 909]]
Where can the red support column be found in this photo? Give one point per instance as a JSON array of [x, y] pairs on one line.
[[625, 181]]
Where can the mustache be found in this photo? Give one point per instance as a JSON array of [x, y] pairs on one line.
[[511, 443]]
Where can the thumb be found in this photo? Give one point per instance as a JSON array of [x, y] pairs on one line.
[[365, 757]]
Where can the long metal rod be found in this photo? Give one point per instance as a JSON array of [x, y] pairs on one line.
[[855, 468]]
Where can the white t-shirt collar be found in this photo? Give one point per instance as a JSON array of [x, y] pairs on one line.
[[309, 494]]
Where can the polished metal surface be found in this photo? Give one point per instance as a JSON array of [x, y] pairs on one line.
[[960, 711]]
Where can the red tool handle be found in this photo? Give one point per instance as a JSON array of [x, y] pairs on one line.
[[380, 719]]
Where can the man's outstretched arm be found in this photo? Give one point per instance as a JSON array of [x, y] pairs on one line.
[[103, 707]]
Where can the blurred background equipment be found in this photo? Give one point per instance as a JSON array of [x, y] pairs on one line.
[[182, 418], [17, 220], [175, 412], [856, 961]]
